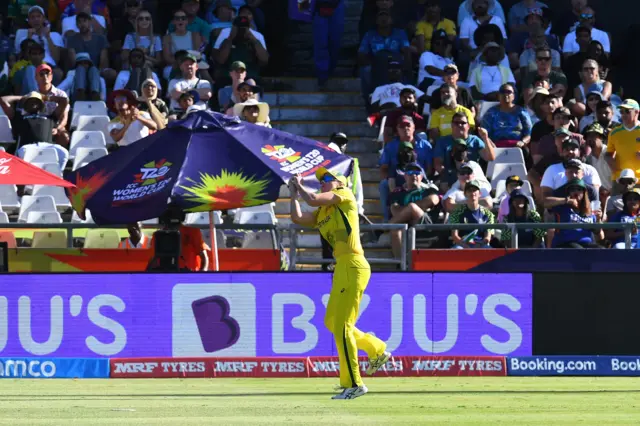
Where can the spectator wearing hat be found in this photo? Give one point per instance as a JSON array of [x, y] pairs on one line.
[[139, 71], [557, 175], [408, 106], [177, 40], [466, 172], [245, 91], [433, 22], [151, 103], [98, 23], [537, 108], [375, 49], [519, 208], [544, 68], [595, 149], [194, 23], [487, 78], [338, 142], [481, 16], [411, 202], [143, 38], [508, 124], [189, 81], [40, 31], [471, 211], [623, 151], [328, 26], [441, 118], [520, 13], [219, 15], [84, 82], [484, 35], [432, 63], [96, 47], [576, 210], [241, 43], [626, 182], [630, 213], [253, 111], [229, 95], [130, 124], [34, 125], [461, 146], [390, 160], [536, 21], [512, 183], [547, 147], [451, 77], [588, 20]]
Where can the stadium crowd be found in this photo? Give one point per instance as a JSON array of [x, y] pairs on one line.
[[485, 116], [493, 117]]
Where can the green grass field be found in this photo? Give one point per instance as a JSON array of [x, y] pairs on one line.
[[406, 401]]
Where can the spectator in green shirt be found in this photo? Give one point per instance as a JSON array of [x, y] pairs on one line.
[[471, 212]]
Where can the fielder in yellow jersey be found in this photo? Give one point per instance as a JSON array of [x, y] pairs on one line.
[[337, 220]]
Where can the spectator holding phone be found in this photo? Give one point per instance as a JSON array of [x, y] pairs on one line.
[[630, 214], [576, 210], [240, 43]]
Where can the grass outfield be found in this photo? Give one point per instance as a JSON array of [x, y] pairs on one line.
[[407, 401]]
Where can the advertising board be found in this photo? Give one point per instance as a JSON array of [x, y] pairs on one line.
[[594, 366], [54, 368], [258, 314]]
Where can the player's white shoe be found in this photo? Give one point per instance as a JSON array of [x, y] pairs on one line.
[[376, 363], [351, 393]]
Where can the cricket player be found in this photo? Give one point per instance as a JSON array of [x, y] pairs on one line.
[[338, 222]]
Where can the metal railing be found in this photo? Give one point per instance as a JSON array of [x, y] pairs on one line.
[[294, 259], [69, 227], [515, 227]]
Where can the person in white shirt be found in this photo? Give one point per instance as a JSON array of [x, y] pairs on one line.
[[137, 239], [587, 19], [189, 81], [480, 17], [137, 60], [555, 176], [388, 96], [487, 78], [432, 63], [595, 150], [40, 31], [98, 23], [467, 172], [130, 125]]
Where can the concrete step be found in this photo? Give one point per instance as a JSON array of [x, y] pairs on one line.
[[371, 207], [313, 98], [370, 174], [356, 144], [319, 113], [306, 38], [350, 26], [297, 84], [305, 57], [370, 189], [307, 70], [325, 128]]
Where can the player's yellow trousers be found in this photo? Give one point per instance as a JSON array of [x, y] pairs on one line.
[[350, 278]]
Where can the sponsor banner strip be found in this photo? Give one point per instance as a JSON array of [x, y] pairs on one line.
[[574, 366], [402, 366], [54, 368]]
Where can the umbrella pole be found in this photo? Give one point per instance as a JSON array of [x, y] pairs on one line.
[[214, 242]]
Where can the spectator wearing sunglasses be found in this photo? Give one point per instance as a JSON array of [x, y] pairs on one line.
[[588, 20], [626, 182], [412, 202], [471, 211], [143, 38], [508, 124], [591, 82], [630, 213], [544, 69]]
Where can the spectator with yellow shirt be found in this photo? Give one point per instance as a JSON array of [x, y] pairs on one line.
[[623, 151], [440, 120], [432, 21]]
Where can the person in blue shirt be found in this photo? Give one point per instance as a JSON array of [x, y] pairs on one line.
[[375, 48], [328, 26], [471, 212], [397, 152], [508, 124], [576, 210], [630, 214], [449, 149]]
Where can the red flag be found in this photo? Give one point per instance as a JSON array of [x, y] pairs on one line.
[[14, 171]]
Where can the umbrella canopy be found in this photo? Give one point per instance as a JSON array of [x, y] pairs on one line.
[[14, 171], [206, 162]]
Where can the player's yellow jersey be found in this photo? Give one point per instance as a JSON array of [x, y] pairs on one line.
[[339, 224]]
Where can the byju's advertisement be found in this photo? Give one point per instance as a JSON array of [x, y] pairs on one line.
[[258, 314]]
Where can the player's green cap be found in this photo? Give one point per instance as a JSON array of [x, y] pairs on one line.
[[324, 171]]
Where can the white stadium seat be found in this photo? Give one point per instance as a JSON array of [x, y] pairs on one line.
[[43, 217], [52, 168], [505, 155], [5, 130], [33, 203], [86, 155], [4, 218], [35, 154], [58, 194], [258, 240], [97, 123], [502, 171], [255, 217], [9, 198], [76, 219], [49, 239], [102, 238], [86, 139], [90, 108], [202, 218]]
